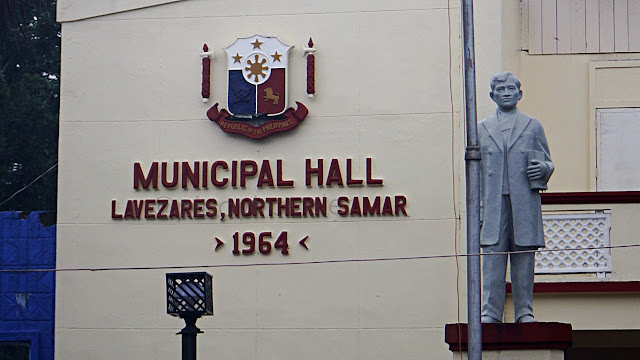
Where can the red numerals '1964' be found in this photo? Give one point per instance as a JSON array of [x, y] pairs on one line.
[[264, 245]]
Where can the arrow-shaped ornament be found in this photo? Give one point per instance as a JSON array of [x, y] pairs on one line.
[[219, 243], [302, 242]]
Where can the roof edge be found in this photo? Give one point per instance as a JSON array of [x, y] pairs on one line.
[[76, 10]]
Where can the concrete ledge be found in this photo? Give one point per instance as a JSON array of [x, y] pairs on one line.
[[583, 287], [511, 336], [593, 197], [515, 355]]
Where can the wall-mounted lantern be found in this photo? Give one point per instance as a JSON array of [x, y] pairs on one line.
[[189, 296]]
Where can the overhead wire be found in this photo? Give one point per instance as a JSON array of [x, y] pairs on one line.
[[458, 220], [29, 184], [314, 262]]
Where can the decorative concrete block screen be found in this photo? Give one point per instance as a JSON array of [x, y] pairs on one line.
[[27, 241], [579, 239]]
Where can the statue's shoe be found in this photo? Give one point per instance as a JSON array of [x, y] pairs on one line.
[[489, 320], [527, 319]]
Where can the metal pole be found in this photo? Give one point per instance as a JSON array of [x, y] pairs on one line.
[[189, 334], [472, 160]]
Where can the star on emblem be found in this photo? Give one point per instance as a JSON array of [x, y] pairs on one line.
[[236, 59], [256, 44], [276, 56]]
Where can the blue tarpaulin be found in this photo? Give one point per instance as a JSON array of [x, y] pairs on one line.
[[27, 298]]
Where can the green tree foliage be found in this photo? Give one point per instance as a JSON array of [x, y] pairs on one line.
[[29, 103]]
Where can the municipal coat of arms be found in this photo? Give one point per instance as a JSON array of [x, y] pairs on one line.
[[257, 77]]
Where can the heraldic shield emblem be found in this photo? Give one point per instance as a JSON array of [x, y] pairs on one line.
[[257, 89]]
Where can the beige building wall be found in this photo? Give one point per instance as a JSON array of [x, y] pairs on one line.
[[387, 88], [568, 111], [564, 91]]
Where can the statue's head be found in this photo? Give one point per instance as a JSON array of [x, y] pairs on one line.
[[505, 90]]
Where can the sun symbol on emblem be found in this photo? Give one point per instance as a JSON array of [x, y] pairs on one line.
[[256, 68]]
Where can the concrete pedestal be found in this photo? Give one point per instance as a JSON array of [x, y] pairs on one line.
[[533, 341]]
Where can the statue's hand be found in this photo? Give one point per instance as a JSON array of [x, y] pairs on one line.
[[537, 170]]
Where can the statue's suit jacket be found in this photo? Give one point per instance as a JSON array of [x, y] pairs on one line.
[[527, 140]]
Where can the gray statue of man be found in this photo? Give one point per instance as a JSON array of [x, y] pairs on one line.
[[516, 165]]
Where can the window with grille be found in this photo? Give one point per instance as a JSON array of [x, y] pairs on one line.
[[14, 350]]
